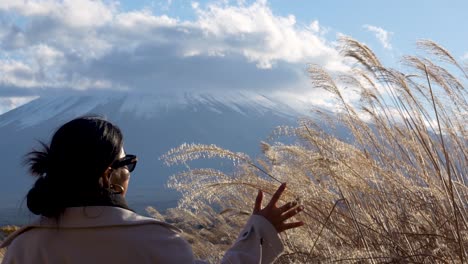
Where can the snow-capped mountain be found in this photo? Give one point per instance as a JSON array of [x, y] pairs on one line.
[[152, 124]]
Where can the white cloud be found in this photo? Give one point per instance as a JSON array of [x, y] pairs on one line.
[[74, 13], [48, 56], [315, 26], [265, 38], [381, 34], [17, 73], [195, 5], [86, 44], [143, 20], [465, 56]]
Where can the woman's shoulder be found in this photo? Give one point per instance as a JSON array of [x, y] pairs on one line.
[[103, 216], [121, 235], [112, 219]]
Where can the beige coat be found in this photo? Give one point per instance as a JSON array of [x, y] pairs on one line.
[[104, 234]]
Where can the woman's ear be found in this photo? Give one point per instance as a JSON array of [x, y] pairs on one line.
[[105, 177]]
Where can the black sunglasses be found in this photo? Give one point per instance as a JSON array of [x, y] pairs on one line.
[[128, 161]]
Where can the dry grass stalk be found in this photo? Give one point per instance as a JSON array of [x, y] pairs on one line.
[[4, 232], [394, 191]]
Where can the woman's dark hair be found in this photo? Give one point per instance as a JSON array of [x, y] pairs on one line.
[[69, 169]]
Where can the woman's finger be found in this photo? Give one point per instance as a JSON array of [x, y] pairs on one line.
[[287, 226], [287, 206], [291, 213], [258, 202], [277, 195]]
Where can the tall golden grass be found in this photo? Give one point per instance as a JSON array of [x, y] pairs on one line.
[[393, 191]]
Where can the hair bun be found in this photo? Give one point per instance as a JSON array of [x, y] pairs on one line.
[[40, 198]]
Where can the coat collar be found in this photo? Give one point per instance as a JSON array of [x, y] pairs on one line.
[[90, 217]]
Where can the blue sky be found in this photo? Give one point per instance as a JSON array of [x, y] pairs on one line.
[[61, 46], [442, 21]]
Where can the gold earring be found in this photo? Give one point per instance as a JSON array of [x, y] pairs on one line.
[[120, 188]]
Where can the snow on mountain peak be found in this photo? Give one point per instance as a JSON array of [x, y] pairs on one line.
[[146, 105]]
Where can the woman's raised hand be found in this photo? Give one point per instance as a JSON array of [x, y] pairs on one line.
[[278, 215]]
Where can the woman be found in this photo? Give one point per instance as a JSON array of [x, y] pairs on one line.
[[83, 177]]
